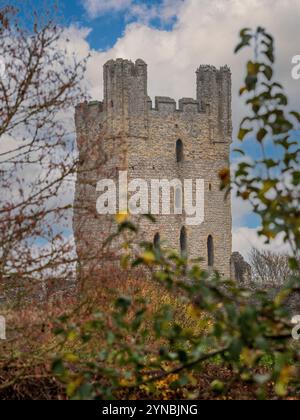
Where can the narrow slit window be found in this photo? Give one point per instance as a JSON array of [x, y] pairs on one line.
[[183, 241], [156, 241], [210, 251], [179, 151]]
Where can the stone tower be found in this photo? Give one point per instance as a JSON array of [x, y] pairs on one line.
[[127, 132]]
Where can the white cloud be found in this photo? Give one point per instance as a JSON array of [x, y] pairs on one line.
[[205, 33], [99, 7], [240, 210], [143, 12], [245, 238], [164, 12]]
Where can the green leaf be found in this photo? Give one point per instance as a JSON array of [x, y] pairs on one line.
[[261, 134], [123, 303], [58, 367], [269, 54], [235, 349], [251, 82], [281, 98], [268, 72], [243, 90], [85, 391], [296, 115], [243, 132], [296, 178], [240, 151]]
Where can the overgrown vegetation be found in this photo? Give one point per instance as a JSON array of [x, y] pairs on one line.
[[242, 335]]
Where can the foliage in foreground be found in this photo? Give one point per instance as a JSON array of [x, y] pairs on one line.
[[150, 342], [248, 330], [25, 359]]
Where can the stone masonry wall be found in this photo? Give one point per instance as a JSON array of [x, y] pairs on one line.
[[128, 132]]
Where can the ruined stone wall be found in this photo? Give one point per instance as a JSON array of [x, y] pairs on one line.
[[128, 132], [240, 270]]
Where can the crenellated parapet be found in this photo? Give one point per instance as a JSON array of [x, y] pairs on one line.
[[168, 105], [126, 108], [88, 111]]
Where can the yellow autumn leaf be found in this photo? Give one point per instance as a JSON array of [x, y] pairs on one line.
[[286, 375], [193, 312], [72, 335], [121, 217], [148, 257], [249, 356], [125, 260], [71, 357], [73, 386], [267, 186], [281, 297], [126, 382]]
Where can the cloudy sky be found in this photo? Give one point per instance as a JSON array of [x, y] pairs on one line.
[[174, 37]]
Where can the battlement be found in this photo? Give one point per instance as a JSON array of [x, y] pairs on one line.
[[168, 105], [126, 99], [213, 69], [125, 67], [214, 93], [88, 112], [85, 106], [162, 103], [189, 105]]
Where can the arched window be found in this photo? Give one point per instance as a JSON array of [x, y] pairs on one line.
[[210, 251], [183, 241], [179, 151], [156, 241]]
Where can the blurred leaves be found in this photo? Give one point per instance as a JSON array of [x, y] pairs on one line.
[[247, 330]]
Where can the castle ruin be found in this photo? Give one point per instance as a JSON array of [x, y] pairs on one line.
[[127, 132]]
